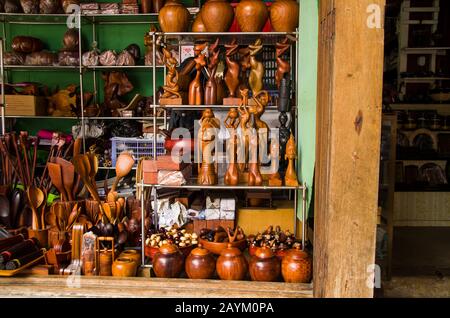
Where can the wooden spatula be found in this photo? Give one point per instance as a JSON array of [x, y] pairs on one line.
[[68, 175], [54, 170]]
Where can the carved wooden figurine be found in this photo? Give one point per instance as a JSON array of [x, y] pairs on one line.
[[232, 123], [260, 102], [211, 84], [275, 179], [245, 132], [195, 88], [244, 62], [290, 177], [232, 74], [254, 174], [256, 68], [171, 89], [283, 66], [207, 137]]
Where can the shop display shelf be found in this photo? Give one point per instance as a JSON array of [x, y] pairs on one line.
[[214, 107], [40, 68], [220, 186], [134, 67]]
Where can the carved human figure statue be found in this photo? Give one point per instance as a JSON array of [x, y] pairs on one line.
[[283, 66], [211, 84], [245, 130], [290, 177], [256, 68], [207, 138], [171, 89], [232, 123], [232, 73], [195, 87]]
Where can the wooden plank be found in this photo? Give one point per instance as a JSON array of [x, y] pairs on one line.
[[57, 286], [348, 138]]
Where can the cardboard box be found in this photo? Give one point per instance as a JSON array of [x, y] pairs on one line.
[[149, 172], [25, 105]]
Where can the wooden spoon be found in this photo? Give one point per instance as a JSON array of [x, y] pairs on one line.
[[107, 210], [36, 198], [124, 164], [76, 211], [93, 163], [54, 170], [68, 174]]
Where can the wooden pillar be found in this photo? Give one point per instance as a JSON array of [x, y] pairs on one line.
[[350, 71]]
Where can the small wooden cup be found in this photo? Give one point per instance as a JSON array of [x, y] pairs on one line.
[[40, 235]]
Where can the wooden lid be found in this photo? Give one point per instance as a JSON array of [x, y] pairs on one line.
[[231, 251], [296, 254], [264, 252], [200, 251], [168, 249]]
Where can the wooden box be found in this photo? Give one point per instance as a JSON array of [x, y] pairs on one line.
[[25, 105]]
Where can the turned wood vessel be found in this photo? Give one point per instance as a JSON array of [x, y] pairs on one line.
[[173, 17], [264, 265], [168, 262], [251, 15], [231, 264], [132, 254], [198, 25], [124, 267], [217, 15], [284, 15], [200, 264], [296, 266]]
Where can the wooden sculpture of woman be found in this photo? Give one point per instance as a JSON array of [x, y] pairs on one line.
[[290, 177], [232, 123], [254, 174], [275, 179], [256, 68], [171, 89], [232, 74], [211, 84], [207, 136], [245, 130], [283, 66], [261, 100], [195, 87], [244, 62]]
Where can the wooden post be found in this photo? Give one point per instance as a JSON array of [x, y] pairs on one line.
[[350, 72]]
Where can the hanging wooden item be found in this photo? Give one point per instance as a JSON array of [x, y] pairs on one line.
[[290, 177], [207, 137], [232, 74], [232, 123], [256, 68], [283, 66], [211, 84]]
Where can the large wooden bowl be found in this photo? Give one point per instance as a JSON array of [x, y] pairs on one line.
[[217, 248]]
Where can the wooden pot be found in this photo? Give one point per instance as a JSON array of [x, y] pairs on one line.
[[264, 265], [251, 15], [296, 266], [231, 264], [124, 267], [106, 260], [200, 264], [168, 262], [217, 15], [173, 17], [284, 15], [134, 255]]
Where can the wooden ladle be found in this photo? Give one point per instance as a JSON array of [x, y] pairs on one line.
[[36, 198], [68, 175], [124, 164], [54, 170]]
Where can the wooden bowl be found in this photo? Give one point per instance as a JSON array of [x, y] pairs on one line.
[[216, 247], [150, 251]]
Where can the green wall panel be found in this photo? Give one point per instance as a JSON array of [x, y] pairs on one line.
[[307, 90]]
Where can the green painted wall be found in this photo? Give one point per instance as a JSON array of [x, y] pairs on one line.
[[307, 90]]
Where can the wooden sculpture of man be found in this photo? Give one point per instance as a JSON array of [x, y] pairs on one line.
[[232, 123], [290, 177], [256, 68], [207, 136]]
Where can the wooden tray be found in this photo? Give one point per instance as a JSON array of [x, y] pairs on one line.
[[8, 273]]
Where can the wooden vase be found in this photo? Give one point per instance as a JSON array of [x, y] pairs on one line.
[[200, 264], [264, 266], [231, 264], [198, 25], [284, 15], [168, 262], [124, 267], [173, 17], [217, 15], [132, 254], [251, 15], [296, 266]]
